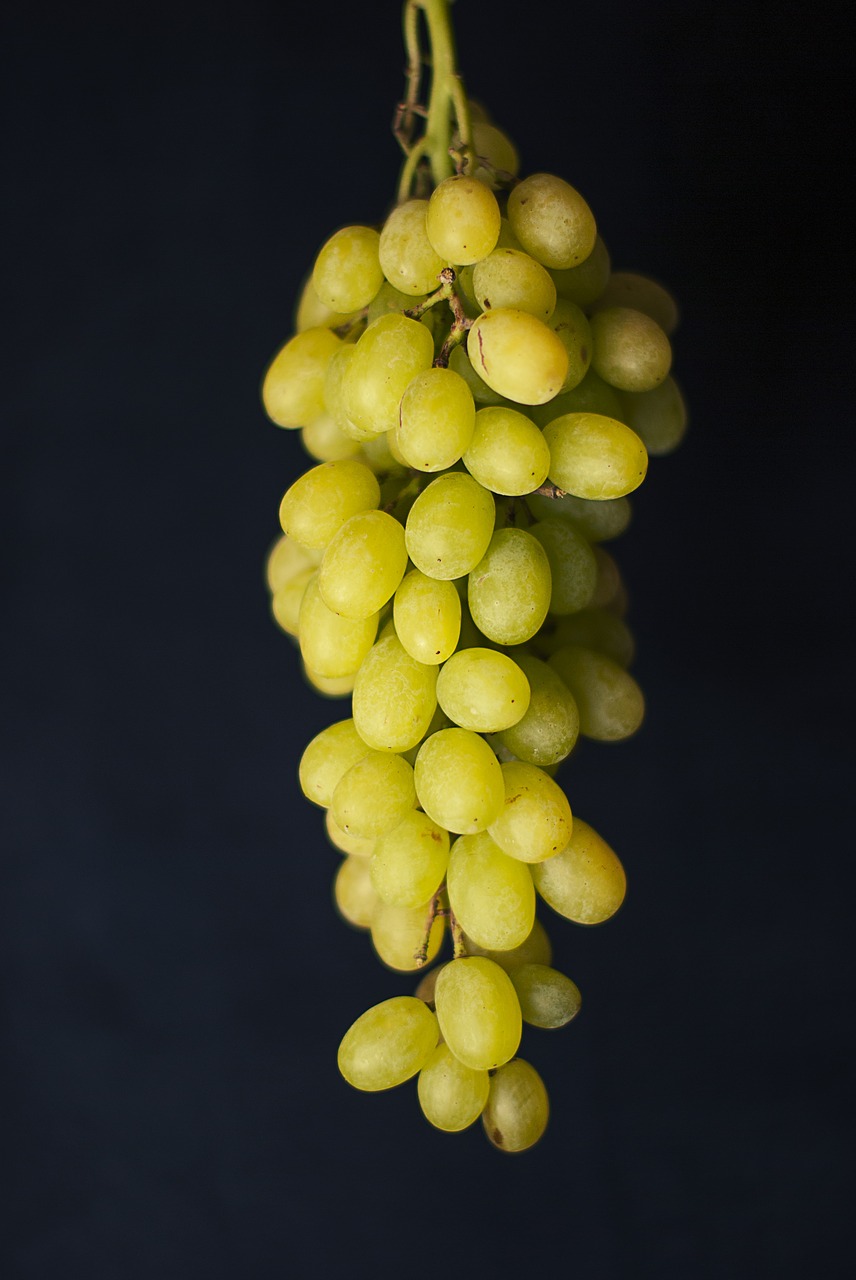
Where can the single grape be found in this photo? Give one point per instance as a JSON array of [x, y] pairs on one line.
[[436, 419], [462, 220], [517, 355], [293, 386], [509, 589], [319, 502], [610, 702], [409, 861], [394, 697], [459, 781], [548, 731], [491, 894], [631, 351], [507, 453], [478, 1012], [552, 221], [510, 278], [450, 526], [374, 796], [427, 614], [452, 1096], [535, 822], [595, 457], [586, 881], [363, 564], [347, 273], [517, 1109], [547, 998], [388, 1044]]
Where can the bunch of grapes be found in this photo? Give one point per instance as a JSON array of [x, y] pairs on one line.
[[480, 393]]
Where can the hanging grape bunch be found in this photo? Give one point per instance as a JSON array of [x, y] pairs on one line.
[[480, 393]]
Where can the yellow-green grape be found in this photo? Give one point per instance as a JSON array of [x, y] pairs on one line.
[[363, 564], [570, 325], [392, 350], [311, 312], [535, 949], [462, 220], [316, 506], [597, 629], [439, 721], [536, 821], [399, 935], [354, 893], [507, 238], [610, 702], [517, 355], [627, 289], [495, 154], [573, 565], [517, 1109], [509, 589], [450, 526], [482, 690], [461, 364], [436, 420], [334, 394], [548, 731], [598, 521], [609, 585], [330, 686], [286, 559], [408, 259], [459, 781], [293, 386], [388, 1044], [491, 894], [658, 417], [409, 862], [585, 284], [631, 351], [478, 1012], [379, 456], [510, 278], [347, 273], [358, 846], [325, 440], [427, 613], [451, 1095], [547, 998], [330, 645], [585, 882], [374, 795], [426, 985], [394, 697], [327, 758], [595, 457], [286, 602], [507, 453], [592, 395], [552, 221]]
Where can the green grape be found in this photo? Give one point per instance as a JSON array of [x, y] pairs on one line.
[[409, 862], [517, 355], [316, 506], [374, 796], [552, 221], [631, 351], [478, 1012], [507, 453], [610, 702], [293, 386], [547, 998], [491, 894], [459, 781], [595, 457], [358, 846], [330, 645], [354, 893], [461, 364], [389, 299], [598, 520], [363, 564], [585, 882], [427, 613], [570, 325], [482, 690], [311, 313], [426, 985], [392, 350], [408, 259], [548, 731], [286, 602], [286, 559], [585, 284], [330, 686], [593, 629], [451, 1095], [388, 1044], [334, 394], [535, 949], [536, 821], [626, 289], [573, 566], [517, 1109], [509, 589], [450, 526], [462, 220], [394, 697], [495, 151], [592, 395], [609, 586], [510, 278], [328, 756], [658, 417], [436, 420], [507, 238], [325, 440], [347, 273], [399, 935]]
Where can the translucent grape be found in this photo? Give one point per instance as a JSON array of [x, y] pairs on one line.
[[394, 697], [482, 690], [358, 846], [491, 894], [354, 893], [548, 731], [547, 998], [286, 602], [325, 440], [392, 351], [293, 386], [436, 420], [374, 796], [408, 259], [286, 559], [478, 1012], [510, 278], [585, 284], [311, 312], [388, 1044], [573, 567], [517, 355], [451, 1095], [332, 646], [507, 453], [462, 220], [427, 613], [450, 526], [658, 417], [627, 289], [363, 564], [586, 881], [631, 351], [459, 781], [319, 502], [328, 756], [610, 702], [570, 325], [409, 862], [517, 1109], [347, 273], [509, 589], [595, 457], [535, 949], [399, 935], [552, 221], [535, 822]]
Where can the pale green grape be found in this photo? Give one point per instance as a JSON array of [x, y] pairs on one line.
[[409, 862], [547, 998], [450, 526], [332, 646], [610, 702], [330, 686], [354, 893], [570, 325], [597, 629], [286, 559], [394, 697], [325, 440], [319, 502], [427, 613], [631, 351], [627, 289], [392, 351], [388, 299], [462, 220], [517, 1109], [286, 602], [495, 151], [597, 520], [388, 1044], [585, 284], [334, 394], [374, 796], [491, 894], [552, 221], [358, 846], [535, 949], [548, 731], [436, 420], [658, 417], [311, 313], [408, 259], [460, 362], [459, 781], [327, 757], [478, 1012], [482, 690], [517, 355], [573, 566], [535, 822], [510, 278], [452, 1096], [507, 453], [586, 881], [399, 935], [509, 589], [293, 386], [363, 564], [347, 273], [592, 395], [595, 457]]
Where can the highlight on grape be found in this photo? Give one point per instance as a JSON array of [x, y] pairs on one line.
[[479, 392]]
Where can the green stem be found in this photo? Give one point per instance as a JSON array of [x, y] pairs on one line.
[[447, 102]]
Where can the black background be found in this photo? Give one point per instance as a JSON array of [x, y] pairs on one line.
[[175, 979]]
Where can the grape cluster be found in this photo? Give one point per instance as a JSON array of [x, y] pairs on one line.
[[480, 393]]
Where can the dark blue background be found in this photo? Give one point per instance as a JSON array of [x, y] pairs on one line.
[[175, 979]]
